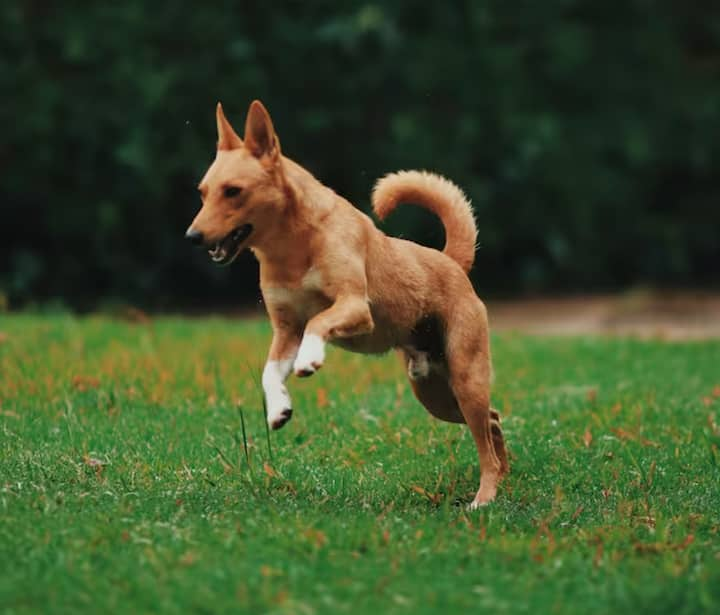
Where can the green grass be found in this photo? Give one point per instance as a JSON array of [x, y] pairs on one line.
[[125, 486]]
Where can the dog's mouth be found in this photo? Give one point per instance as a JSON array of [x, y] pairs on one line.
[[226, 251]]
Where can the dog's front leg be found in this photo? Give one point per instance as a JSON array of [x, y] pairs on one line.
[[348, 316], [283, 349]]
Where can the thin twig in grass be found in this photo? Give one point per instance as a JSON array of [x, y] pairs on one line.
[[222, 455], [244, 436], [220, 395], [267, 430], [253, 375]]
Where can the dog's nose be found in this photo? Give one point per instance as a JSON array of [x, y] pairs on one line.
[[194, 236]]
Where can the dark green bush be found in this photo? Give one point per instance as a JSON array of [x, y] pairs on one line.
[[587, 134]]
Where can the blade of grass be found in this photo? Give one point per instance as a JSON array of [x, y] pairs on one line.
[[253, 375], [224, 458], [244, 437], [267, 430]]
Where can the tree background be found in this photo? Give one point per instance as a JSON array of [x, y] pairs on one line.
[[586, 134]]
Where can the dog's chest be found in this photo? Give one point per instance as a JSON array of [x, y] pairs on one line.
[[304, 298]]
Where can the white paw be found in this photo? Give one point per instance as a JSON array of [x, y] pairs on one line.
[[277, 400], [279, 418], [311, 355], [418, 366], [278, 407], [476, 505], [485, 495]]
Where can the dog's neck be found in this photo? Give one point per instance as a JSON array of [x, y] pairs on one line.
[[309, 198], [307, 203]]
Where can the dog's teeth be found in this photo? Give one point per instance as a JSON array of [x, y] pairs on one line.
[[219, 254]]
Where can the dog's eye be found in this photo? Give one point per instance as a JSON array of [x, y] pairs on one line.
[[231, 191]]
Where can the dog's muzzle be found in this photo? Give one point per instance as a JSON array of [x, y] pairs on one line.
[[226, 251]]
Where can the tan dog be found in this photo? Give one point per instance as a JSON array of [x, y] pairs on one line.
[[327, 274]]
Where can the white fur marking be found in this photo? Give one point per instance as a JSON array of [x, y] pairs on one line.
[[273, 382], [278, 294], [311, 355], [312, 280], [305, 301]]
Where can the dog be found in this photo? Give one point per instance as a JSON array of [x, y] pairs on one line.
[[329, 275]]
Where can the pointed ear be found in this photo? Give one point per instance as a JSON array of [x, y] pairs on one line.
[[260, 137], [227, 137]]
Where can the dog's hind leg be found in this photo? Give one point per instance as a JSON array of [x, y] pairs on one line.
[[429, 383], [435, 394], [499, 441], [468, 355]]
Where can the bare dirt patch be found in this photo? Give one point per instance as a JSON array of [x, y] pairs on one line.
[[677, 315]]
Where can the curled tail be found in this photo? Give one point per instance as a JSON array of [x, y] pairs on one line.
[[441, 197]]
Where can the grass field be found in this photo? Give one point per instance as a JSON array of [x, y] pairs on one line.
[[126, 484]]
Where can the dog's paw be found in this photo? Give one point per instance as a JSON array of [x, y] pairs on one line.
[[484, 497], [310, 356], [418, 366], [279, 413], [277, 400], [279, 418], [477, 505]]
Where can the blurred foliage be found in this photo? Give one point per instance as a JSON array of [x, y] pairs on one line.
[[586, 134]]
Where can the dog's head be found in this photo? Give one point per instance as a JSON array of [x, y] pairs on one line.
[[243, 192]]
